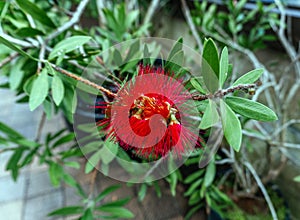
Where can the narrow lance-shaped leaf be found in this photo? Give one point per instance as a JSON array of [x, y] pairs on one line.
[[58, 89], [251, 109], [196, 83], [36, 13], [210, 65], [210, 116], [231, 126], [39, 90], [109, 152], [119, 212], [16, 75], [93, 161], [68, 45], [106, 192], [15, 48], [176, 48], [210, 174], [223, 67], [69, 210], [249, 77]]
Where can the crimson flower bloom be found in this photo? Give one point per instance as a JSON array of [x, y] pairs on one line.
[[149, 116]]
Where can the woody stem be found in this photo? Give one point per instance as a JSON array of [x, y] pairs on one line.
[[222, 92], [83, 80]]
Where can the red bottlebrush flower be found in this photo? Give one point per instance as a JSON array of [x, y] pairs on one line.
[[151, 116]]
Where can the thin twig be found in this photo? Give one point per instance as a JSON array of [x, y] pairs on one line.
[[222, 92], [85, 81], [284, 126], [263, 190], [150, 12], [8, 59], [188, 17], [40, 128], [16, 41], [93, 180], [75, 19], [286, 145], [101, 18], [287, 45]]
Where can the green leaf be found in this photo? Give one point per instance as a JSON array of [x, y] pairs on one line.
[[87, 215], [72, 164], [55, 173], [69, 179], [175, 63], [16, 75], [69, 210], [173, 183], [65, 139], [117, 203], [194, 209], [106, 192], [193, 187], [58, 89], [133, 51], [118, 61], [210, 65], [191, 178], [249, 77], [93, 161], [13, 47], [142, 192], [14, 159], [197, 85], [223, 67], [120, 212], [210, 116], [10, 132], [297, 179], [68, 45], [47, 108], [211, 55], [175, 49], [28, 32], [39, 90], [35, 12], [194, 198], [210, 174], [231, 126], [28, 84], [109, 152], [251, 109]]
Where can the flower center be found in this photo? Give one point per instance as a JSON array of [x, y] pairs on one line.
[[150, 104]]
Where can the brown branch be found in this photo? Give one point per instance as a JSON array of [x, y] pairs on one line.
[[40, 128], [93, 180], [84, 81], [8, 59], [222, 92]]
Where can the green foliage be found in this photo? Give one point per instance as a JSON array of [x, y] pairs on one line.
[[231, 126], [42, 45], [237, 19], [202, 190], [93, 208], [68, 45], [210, 65], [36, 13], [39, 90], [251, 109], [297, 179]]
